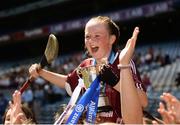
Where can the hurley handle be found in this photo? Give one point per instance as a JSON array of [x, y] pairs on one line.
[[26, 84]]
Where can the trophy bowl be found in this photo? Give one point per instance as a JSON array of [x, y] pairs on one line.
[[88, 74]]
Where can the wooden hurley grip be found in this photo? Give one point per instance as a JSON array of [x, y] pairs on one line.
[[26, 84]]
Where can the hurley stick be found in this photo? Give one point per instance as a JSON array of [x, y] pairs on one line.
[[51, 52]]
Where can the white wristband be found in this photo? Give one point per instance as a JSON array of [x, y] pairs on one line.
[[120, 66]]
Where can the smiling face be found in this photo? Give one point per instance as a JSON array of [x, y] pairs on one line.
[[98, 39]]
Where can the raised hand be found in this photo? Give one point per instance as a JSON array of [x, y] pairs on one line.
[[171, 115], [131, 105], [17, 116], [127, 53]]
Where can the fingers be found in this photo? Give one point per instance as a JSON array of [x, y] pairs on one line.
[[167, 118], [170, 101], [166, 115], [132, 41], [161, 108], [134, 37], [172, 98], [104, 61], [166, 99], [33, 70], [18, 97], [14, 97], [173, 104], [135, 33], [10, 104]]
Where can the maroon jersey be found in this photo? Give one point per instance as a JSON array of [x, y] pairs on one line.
[[111, 93]]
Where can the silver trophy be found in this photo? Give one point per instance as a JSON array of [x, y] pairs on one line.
[[88, 74]]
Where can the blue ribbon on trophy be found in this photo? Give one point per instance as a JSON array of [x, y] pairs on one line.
[[89, 97], [92, 106]]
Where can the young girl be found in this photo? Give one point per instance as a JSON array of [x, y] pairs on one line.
[[122, 85]]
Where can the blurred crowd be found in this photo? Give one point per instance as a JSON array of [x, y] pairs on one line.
[[152, 59]]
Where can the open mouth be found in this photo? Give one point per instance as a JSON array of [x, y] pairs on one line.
[[94, 49]]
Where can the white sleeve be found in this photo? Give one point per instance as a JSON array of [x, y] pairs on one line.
[[68, 89]]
